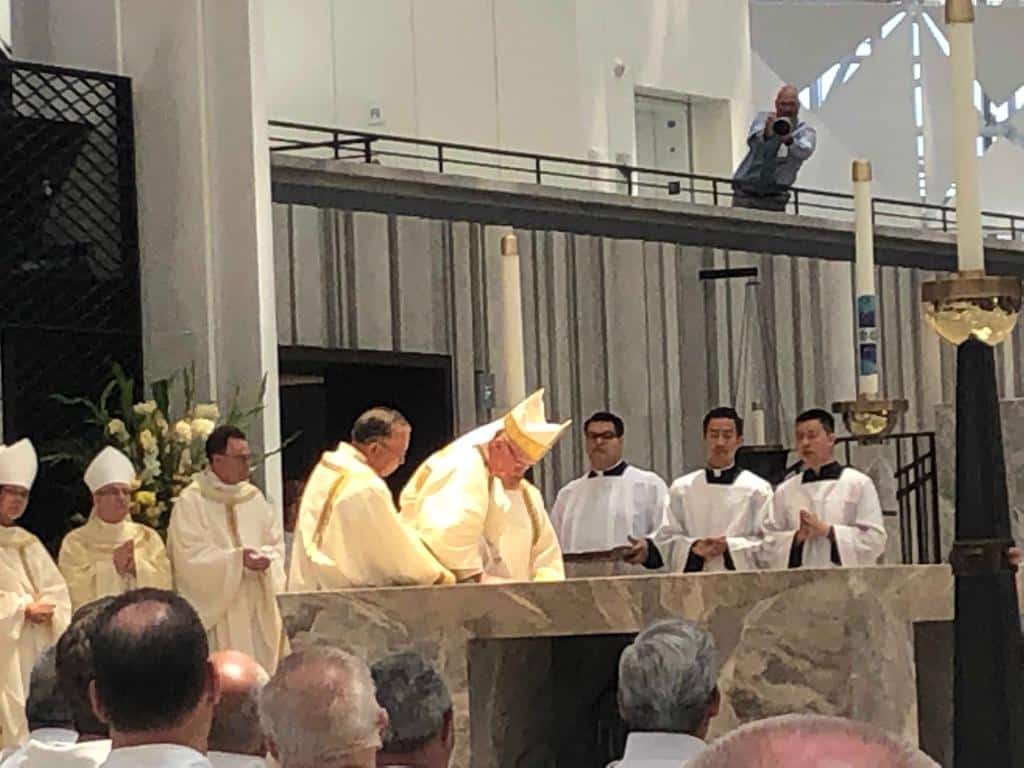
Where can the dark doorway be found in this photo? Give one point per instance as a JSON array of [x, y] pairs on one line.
[[323, 391]]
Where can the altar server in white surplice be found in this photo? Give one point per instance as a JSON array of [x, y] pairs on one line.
[[34, 604], [227, 550], [348, 532], [829, 515], [110, 554], [716, 515], [464, 501], [614, 500]]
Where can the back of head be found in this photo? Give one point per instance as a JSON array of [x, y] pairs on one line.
[[376, 423], [236, 727], [668, 678], [47, 706], [320, 707], [416, 699], [810, 741], [150, 656], [75, 665]]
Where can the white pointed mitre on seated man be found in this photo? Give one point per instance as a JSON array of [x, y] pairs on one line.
[[473, 509], [111, 554], [34, 604]]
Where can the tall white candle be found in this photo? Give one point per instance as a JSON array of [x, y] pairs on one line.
[[756, 430], [864, 271], [960, 30], [514, 368]]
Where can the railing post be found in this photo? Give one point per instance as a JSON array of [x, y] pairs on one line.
[[1013, 227], [796, 202], [629, 181], [536, 166], [368, 149], [335, 139], [945, 221], [440, 158], [714, 191]]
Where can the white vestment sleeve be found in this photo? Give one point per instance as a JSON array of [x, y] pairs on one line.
[[746, 550], [558, 514], [863, 541], [671, 538], [545, 555], [272, 546], [653, 516], [207, 575], [780, 528]]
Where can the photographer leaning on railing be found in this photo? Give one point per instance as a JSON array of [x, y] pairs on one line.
[[779, 143]]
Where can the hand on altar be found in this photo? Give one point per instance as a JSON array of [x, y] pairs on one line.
[[638, 551], [39, 612], [709, 548], [812, 526], [124, 558], [254, 561]]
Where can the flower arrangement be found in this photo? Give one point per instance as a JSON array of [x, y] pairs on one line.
[[167, 451]]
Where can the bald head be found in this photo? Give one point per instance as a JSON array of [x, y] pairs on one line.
[[236, 719], [787, 102], [811, 741]]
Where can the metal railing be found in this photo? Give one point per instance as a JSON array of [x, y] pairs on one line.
[[917, 493], [554, 170]]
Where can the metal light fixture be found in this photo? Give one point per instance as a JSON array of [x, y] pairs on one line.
[[972, 305]]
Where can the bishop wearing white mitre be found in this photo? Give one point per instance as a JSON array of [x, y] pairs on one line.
[[111, 554], [34, 604], [226, 544], [473, 509]]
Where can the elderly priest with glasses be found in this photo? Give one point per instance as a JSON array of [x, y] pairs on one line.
[[110, 554], [472, 508]]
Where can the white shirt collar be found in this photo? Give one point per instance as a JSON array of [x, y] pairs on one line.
[[231, 760], [156, 756], [54, 735], [655, 746]]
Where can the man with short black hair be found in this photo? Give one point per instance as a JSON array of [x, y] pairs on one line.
[[668, 693], [614, 500], [236, 734], [828, 515], [348, 532], [47, 711], [227, 549], [420, 729], [74, 671], [716, 515], [154, 684]]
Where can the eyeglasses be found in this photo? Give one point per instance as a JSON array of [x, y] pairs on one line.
[[594, 437]]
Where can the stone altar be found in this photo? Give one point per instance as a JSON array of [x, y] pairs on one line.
[[531, 666]]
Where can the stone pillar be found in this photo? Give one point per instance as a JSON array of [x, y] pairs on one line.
[[203, 172]]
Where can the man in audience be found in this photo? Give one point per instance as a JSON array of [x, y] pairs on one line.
[[236, 735], [460, 504], [47, 711], [319, 711], [827, 516], [74, 672], [716, 515], [348, 533], [778, 143], [35, 607], [110, 554], [811, 741], [668, 693], [154, 684], [420, 729], [227, 548], [614, 500]]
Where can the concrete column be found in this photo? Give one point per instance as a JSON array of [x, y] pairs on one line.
[[203, 170]]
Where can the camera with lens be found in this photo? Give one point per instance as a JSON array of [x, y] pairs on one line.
[[782, 126]]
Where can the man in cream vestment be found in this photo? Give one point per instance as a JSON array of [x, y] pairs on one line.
[[110, 554], [473, 510], [34, 604], [227, 550], [348, 533]]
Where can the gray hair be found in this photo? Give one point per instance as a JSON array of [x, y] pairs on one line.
[[416, 699], [47, 706], [320, 707], [377, 423], [667, 677], [807, 741]]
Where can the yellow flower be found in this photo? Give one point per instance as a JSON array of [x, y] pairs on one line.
[[183, 432], [207, 411], [147, 441], [145, 498], [145, 409], [201, 428], [116, 428]]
